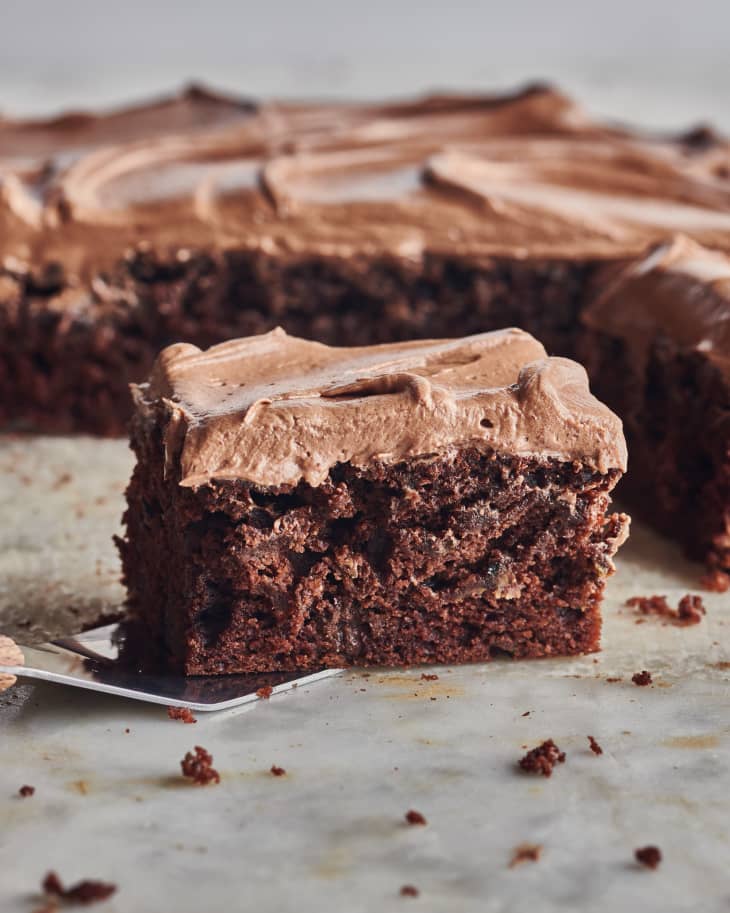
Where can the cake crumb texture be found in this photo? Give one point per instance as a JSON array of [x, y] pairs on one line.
[[542, 760], [594, 746], [84, 892], [648, 856], [183, 714], [197, 765], [525, 852], [642, 679], [414, 817]]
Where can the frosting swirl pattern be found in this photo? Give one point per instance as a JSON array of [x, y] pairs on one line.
[[528, 174]]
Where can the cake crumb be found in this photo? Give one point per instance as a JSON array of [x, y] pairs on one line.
[[198, 767], [650, 605], [84, 892], [715, 581], [542, 759], [649, 856], [642, 678], [595, 747], [689, 611], [265, 692], [277, 771], [184, 714], [525, 852], [26, 791], [429, 677], [409, 890], [414, 817]]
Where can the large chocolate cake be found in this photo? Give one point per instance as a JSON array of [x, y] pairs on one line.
[[203, 217]]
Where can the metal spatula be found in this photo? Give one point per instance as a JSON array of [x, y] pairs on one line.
[[91, 660]]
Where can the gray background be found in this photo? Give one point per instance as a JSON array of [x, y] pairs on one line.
[[659, 61]]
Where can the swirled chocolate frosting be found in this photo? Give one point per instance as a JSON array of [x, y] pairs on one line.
[[275, 409], [528, 174]]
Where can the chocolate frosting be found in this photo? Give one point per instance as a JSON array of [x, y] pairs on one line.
[[679, 290], [275, 409], [527, 174]]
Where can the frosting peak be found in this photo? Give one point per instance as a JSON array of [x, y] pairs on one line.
[[275, 409]]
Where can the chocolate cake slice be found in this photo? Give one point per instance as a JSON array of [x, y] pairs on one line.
[[658, 347], [296, 506]]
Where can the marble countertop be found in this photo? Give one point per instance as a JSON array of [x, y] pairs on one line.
[[359, 751]]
